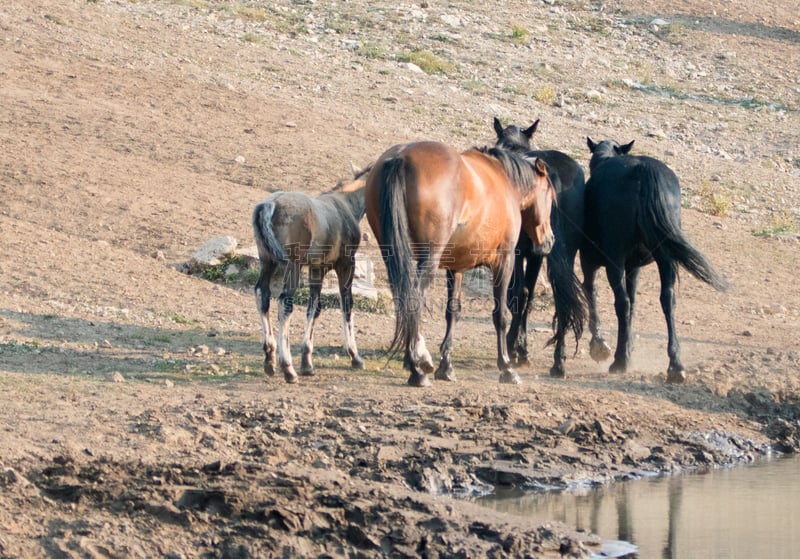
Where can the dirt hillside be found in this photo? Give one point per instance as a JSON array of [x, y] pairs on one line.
[[136, 420]]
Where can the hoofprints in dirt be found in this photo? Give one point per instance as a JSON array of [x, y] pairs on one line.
[[344, 465]]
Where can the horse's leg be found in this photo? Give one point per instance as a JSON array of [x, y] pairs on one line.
[[502, 275], [516, 299], [262, 302], [675, 373], [558, 370], [315, 275], [345, 272], [531, 277], [622, 305], [599, 350], [418, 359], [285, 308], [445, 370], [518, 330], [631, 281]]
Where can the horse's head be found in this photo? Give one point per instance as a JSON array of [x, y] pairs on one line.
[[605, 149], [358, 181], [512, 137], [537, 206]]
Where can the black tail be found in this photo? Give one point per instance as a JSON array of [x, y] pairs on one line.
[[659, 221], [397, 253], [265, 236], [568, 295]]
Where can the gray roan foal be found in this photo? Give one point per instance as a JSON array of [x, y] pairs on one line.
[[293, 230]]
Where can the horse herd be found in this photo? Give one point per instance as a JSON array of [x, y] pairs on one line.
[[505, 207]]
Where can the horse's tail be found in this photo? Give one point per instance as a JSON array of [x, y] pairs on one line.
[[568, 294], [397, 253], [659, 219], [265, 236]]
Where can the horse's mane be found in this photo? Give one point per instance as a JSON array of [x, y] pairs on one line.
[[362, 173], [517, 166]]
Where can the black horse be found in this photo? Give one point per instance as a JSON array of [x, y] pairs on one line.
[[567, 222], [633, 218]]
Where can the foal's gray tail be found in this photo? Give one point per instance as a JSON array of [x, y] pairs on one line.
[[265, 236]]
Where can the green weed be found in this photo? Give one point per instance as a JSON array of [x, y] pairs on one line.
[[428, 62]]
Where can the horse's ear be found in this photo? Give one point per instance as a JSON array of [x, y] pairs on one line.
[[626, 148], [591, 144], [541, 168], [498, 128], [528, 132]]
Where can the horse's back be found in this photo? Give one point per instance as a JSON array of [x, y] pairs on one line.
[[569, 172], [623, 195]]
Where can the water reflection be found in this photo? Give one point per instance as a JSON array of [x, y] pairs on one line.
[[745, 512]]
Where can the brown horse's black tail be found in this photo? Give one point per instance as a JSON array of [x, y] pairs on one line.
[[265, 237], [397, 253]]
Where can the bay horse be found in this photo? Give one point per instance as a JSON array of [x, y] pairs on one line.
[[569, 297], [633, 218], [294, 230], [429, 204]]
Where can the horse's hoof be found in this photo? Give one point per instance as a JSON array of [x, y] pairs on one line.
[[445, 373], [599, 350], [676, 376], [558, 371], [618, 367], [357, 363], [419, 379], [426, 364], [510, 377], [521, 360], [289, 374], [269, 368], [307, 371]]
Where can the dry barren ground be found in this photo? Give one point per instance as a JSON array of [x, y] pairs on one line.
[[135, 420]]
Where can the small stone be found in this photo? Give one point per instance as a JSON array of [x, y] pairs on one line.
[[567, 427], [106, 344], [239, 159], [116, 376], [168, 383]]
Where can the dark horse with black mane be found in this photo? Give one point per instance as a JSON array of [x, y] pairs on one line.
[[431, 205], [633, 218], [567, 222]]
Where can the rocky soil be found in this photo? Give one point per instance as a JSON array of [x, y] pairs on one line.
[[135, 419]]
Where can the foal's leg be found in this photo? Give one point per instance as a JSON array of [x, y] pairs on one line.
[[345, 272], [666, 269], [285, 308], [598, 348], [262, 302], [315, 275], [622, 305], [445, 370], [501, 277]]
